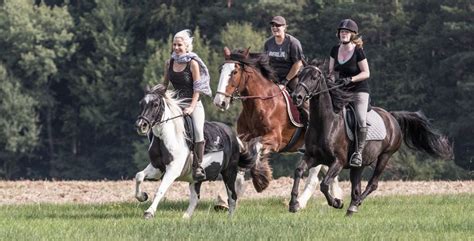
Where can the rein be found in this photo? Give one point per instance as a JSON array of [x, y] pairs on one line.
[[312, 94], [154, 123]]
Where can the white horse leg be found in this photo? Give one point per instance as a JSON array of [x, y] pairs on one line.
[[240, 183], [148, 172], [310, 186], [193, 200], [232, 203], [168, 179]]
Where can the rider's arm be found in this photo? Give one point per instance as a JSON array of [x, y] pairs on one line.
[[294, 70], [331, 74], [364, 71]]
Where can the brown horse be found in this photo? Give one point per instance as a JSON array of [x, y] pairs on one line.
[[327, 141], [248, 77]]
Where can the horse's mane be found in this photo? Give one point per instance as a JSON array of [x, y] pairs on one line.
[[259, 61], [174, 105], [339, 96]]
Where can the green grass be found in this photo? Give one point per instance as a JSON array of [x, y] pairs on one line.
[[379, 218]]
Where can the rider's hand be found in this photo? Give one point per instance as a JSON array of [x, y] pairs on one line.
[[345, 80], [188, 111]]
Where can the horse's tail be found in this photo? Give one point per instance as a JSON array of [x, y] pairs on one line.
[[418, 134], [260, 170]]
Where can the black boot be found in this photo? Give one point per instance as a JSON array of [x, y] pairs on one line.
[[198, 171], [356, 158]]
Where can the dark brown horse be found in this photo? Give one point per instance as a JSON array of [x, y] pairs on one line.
[[248, 77], [327, 142]]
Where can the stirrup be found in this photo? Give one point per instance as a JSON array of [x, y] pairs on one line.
[[356, 160]]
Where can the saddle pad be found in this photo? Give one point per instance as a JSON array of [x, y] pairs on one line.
[[376, 126], [292, 111], [214, 135]]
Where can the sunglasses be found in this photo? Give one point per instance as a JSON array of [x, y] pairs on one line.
[[277, 25]]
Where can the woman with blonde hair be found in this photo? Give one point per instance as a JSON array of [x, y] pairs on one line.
[[190, 77]]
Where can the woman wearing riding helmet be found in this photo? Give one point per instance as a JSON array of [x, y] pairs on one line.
[[348, 59]]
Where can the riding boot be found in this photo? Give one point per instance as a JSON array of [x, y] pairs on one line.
[[356, 158], [198, 172]]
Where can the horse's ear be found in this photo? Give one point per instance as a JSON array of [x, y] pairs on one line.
[[226, 53], [147, 88], [246, 52]]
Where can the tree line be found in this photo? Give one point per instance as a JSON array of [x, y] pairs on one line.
[[72, 73]]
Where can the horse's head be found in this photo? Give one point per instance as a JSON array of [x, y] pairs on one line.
[[152, 108], [310, 78], [231, 78]]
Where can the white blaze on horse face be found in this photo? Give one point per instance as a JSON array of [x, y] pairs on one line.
[[220, 100]]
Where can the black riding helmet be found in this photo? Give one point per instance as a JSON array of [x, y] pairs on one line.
[[348, 24]]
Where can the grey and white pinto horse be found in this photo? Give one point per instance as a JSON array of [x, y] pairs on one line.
[[171, 157]]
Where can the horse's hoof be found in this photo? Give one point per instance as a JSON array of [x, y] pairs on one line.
[[338, 203], [294, 207], [351, 210], [148, 215], [143, 198], [221, 208]]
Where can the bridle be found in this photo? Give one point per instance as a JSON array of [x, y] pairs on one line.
[[152, 123], [236, 94], [310, 94]]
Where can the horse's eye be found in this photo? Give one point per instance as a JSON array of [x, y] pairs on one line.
[[234, 72]]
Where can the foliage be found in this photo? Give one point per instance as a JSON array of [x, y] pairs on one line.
[[73, 72]]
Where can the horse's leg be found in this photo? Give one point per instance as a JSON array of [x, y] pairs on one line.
[[310, 185], [334, 188], [194, 191], [168, 179], [148, 172], [240, 183], [374, 180], [294, 205], [355, 176], [333, 171], [230, 180]]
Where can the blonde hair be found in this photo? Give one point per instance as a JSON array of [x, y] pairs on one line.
[[357, 40], [185, 35]]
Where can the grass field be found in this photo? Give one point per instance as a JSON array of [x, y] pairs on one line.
[[436, 217]]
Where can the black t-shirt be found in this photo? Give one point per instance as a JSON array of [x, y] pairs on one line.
[[283, 56], [350, 68]]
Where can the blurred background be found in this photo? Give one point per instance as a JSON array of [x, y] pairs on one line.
[[72, 73]]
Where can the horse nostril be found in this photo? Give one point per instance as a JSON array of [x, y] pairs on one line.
[[222, 104]]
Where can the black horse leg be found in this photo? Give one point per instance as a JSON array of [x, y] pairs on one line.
[[229, 181], [333, 171], [374, 180], [355, 176], [294, 205]]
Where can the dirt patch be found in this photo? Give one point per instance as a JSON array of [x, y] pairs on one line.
[[30, 192]]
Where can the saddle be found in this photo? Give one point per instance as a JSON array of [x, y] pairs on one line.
[[375, 124], [214, 136], [293, 112]]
